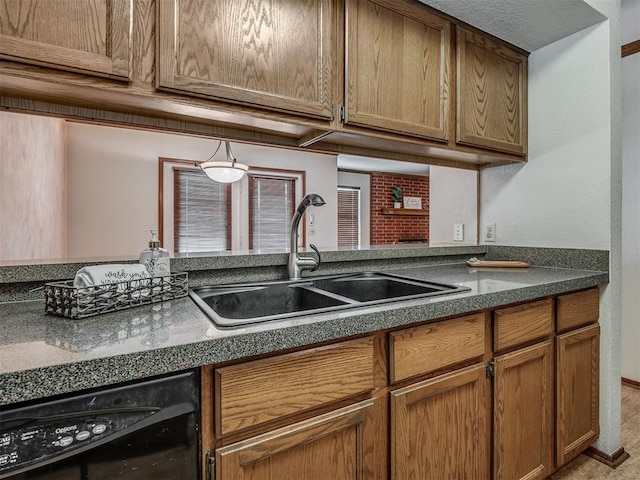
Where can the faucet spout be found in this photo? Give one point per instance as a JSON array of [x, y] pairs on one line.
[[296, 263]]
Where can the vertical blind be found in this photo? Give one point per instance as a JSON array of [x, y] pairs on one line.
[[271, 205], [348, 216], [202, 212]]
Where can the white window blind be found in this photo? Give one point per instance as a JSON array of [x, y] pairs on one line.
[[202, 213], [348, 216], [271, 205]]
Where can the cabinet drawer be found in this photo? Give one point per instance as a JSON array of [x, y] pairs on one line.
[[433, 347], [260, 391], [522, 324], [576, 309]]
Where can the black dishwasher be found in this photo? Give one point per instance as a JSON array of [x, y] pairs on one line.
[[140, 431]]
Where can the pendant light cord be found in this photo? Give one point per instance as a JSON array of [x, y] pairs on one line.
[[214, 153]]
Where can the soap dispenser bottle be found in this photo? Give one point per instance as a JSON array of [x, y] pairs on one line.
[[155, 258]]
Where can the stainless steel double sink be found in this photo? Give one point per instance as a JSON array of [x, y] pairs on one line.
[[241, 304]]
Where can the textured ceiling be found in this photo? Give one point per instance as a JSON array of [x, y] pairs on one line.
[[367, 164], [528, 24]]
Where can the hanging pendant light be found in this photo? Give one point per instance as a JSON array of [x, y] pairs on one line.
[[224, 172]]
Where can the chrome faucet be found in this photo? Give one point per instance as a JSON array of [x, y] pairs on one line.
[[296, 262]]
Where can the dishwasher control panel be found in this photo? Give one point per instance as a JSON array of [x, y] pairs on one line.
[[37, 442]]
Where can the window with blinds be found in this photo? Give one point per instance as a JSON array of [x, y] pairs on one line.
[[348, 216], [271, 206], [202, 213]]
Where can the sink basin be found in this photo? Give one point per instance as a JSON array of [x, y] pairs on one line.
[[236, 305], [265, 301], [370, 287]]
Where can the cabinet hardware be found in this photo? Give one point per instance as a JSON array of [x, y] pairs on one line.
[[343, 113], [490, 372], [211, 464]]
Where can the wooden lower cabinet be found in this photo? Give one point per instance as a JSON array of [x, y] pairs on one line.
[[374, 408], [440, 427], [577, 402], [523, 413], [338, 445]]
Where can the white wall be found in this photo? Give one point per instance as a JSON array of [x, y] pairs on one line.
[[363, 181], [32, 177], [453, 198], [121, 166], [561, 197], [631, 194], [568, 194]]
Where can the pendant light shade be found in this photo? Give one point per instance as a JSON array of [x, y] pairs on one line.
[[228, 171]]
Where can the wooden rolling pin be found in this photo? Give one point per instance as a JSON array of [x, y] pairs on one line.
[[497, 264]]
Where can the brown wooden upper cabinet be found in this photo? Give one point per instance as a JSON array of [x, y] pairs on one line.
[[91, 36], [278, 55], [492, 94], [397, 68]]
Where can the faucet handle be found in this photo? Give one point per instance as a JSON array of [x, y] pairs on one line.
[[315, 249]]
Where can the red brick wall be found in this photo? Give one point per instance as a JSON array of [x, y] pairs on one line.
[[386, 229]]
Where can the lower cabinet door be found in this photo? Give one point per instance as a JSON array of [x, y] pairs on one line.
[[440, 427], [577, 386], [338, 445], [523, 413]]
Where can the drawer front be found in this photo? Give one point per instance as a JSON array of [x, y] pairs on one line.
[[577, 309], [429, 348], [522, 324], [261, 391]]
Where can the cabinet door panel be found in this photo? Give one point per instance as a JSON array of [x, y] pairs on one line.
[[297, 382], [91, 36], [425, 349], [578, 309], [440, 428], [522, 324], [274, 54], [523, 413], [492, 94], [578, 392], [336, 446], [397, 68]]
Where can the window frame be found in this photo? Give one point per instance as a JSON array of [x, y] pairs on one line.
[[359, 203], [227, 214], [300, 183], [252, 213], [239, 221]]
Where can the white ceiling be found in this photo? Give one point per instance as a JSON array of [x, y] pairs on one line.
[[368, 164], [528, 24]]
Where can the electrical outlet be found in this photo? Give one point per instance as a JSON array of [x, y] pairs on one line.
[[489, 232], [458, 232]]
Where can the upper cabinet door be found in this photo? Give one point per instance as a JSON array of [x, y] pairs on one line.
[[397, 68], [258, 52], [89, 36], [492, 94]]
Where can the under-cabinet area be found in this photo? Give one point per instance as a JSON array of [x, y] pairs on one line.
[[505, 393]]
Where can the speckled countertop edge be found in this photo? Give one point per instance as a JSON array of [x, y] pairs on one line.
[[32, 271], [223, 346]]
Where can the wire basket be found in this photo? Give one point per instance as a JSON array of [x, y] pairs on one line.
[[65, 300]]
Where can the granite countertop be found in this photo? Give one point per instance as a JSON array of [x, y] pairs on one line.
[[43, 355]]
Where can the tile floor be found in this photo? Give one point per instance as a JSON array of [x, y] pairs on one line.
[[586, 468]]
